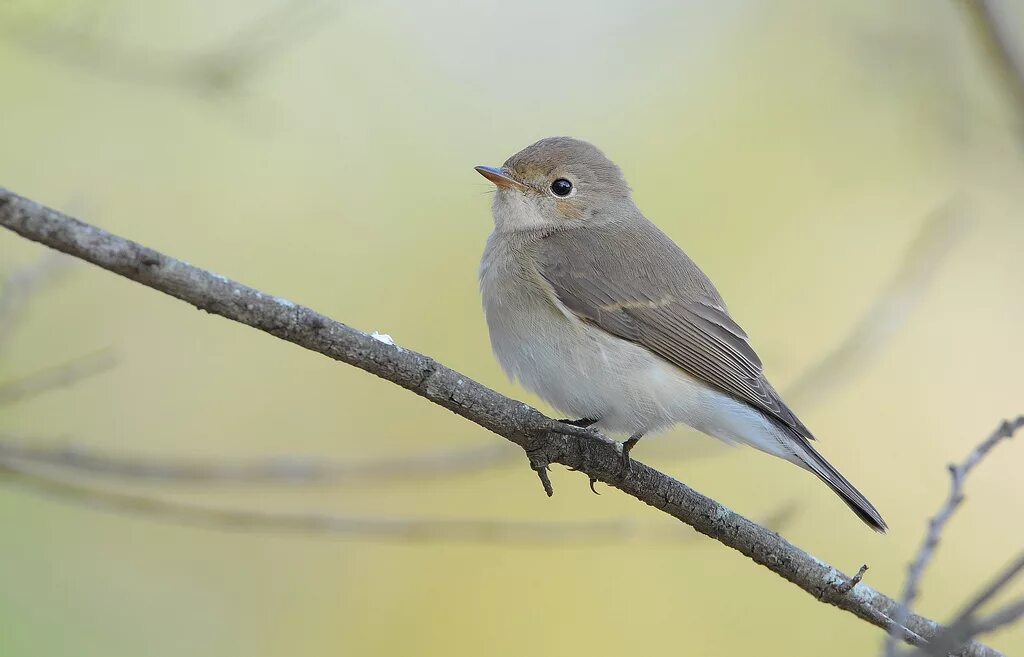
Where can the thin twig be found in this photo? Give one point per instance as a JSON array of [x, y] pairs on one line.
[[968, 625], [915, 572], [999, 51], [997, 620], [217, 70], [848, 585], [888, 313], [353, 527], [994, 588], [295, 469], [544, 439], [21, 285], [60, 376]]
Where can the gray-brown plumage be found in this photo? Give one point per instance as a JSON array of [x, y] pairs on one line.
[[594, 308]]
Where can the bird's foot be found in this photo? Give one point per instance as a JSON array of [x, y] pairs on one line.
[[593, 480], [583, 428]]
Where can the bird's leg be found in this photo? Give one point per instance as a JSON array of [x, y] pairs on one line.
[[627, 446], [582, 423]]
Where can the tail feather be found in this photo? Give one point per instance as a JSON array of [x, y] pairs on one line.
[[859, 504]]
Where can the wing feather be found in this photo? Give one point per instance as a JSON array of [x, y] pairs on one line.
[[639, 286]]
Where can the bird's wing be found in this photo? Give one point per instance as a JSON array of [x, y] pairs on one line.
[[638, 285]]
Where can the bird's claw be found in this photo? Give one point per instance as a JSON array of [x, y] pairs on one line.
[[593, 480]]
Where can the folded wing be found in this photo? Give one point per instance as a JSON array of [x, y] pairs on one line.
[[643, 288]]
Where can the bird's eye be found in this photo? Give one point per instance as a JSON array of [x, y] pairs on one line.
[[561, 187]]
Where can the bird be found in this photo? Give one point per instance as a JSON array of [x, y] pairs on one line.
[[593, 308]]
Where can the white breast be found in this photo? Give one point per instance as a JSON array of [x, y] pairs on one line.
[[585, 372], [579, 369]]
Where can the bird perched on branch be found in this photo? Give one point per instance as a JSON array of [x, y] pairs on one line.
[[596, 310]]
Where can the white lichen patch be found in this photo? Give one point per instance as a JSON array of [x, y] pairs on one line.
[[283, 302], [384, 338]]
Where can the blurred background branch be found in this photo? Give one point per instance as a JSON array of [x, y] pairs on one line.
[[970, 623], [286, 469], [958, 632], [23, 284], [1001, 54], [218, 70], [444, 530], [59, 376], [941, 230]]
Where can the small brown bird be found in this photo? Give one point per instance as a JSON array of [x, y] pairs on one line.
[[597, 311]]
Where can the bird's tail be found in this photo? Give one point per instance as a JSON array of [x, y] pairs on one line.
[[817, 464]]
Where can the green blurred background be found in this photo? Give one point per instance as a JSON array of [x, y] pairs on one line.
[[793, 148]]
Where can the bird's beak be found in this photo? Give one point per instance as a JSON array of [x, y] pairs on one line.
[[500, 177]]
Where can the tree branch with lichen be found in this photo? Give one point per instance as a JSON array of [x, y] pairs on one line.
[[544, 440], [866, 337]]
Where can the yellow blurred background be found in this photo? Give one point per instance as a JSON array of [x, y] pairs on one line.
[[794, 149]]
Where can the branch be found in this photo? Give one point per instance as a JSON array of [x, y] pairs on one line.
[[999, 51], [279, 469], [942, 229], [544, 440], [53, 378], [19, 288], [355, 527], [296, 469], [217, 70], [958, 473], [968, 625], [885, 317]]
